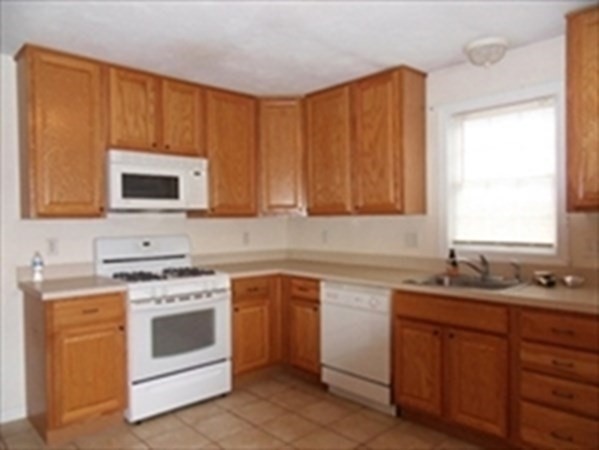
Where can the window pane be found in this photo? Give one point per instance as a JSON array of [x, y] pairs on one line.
[[504, 183]]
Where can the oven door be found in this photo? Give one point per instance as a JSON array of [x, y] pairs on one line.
[[147, 187], [167, 339]]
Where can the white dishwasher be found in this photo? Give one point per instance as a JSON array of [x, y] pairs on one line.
[[356, 342]]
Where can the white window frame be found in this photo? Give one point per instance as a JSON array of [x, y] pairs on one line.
[[446, 128]]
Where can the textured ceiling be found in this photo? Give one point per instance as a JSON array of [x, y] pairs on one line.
[[277, 47]]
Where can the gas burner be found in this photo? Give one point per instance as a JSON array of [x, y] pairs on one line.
[[184, 272], [136, 276]]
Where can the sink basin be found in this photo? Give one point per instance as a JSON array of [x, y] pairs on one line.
[[467, 281]]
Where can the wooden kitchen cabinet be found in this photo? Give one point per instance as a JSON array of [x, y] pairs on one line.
[[281, 156], [556, 402], [257, 324], [329, 149], [183, 118], [303, 324], [153, 113], [75, 364], [231, 150], [62, 134], [389, 152], [134, 109], [418, 365], [456, 374], [582, 110]]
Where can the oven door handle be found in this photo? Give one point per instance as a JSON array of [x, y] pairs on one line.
[[190, 305]]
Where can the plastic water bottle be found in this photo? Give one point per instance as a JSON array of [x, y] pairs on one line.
[[37, 267]]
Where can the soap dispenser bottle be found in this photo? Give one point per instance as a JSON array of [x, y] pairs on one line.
[[452, 264], [37, 267]]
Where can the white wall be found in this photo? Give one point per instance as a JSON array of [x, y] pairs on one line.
[[21, 238], [523, 67]]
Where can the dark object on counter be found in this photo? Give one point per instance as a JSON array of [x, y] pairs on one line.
[[545, 279]]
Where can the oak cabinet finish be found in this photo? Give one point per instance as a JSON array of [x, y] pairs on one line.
[[328, 147], [75, 364], [133, 109], [281, 156], [454, 374], [257, 327], [304, 335], [231, 150], [418, 376], [182, 118], [557, 376], [389, 154], [62, 134], [583, 109]]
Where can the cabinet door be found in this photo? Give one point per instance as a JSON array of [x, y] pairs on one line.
[[582, 110], [328, 139], [88, 376], [251, 333], [478, 381], [231, 149], [133, 110], [281, 156], [389, 155], [182, 118], [417, 368], [304, 335], [65, 133]]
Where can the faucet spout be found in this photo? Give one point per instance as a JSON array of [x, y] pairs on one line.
[[483, 268]]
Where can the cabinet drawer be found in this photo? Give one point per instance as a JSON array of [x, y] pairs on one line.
[[568, 395], [478, 316], [86, 310], [560, 361], [547, 428], [305, 288], [562, 329], [251, 287]]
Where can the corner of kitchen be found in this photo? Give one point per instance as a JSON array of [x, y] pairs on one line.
[[265, 245]]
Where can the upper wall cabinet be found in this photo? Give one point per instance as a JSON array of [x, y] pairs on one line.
[[281, 154], [583, 110], [62, 134], [157, 114], [231, 150], [328, 139], [389, 153]]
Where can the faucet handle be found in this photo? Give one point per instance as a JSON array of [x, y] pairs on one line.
[[483, 260]]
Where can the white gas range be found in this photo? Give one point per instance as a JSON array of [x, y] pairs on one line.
[[178, 322]]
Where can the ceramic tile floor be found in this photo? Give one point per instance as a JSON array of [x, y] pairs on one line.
[[277, 412]]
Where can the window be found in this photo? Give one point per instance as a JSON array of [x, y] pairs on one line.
[[503, 178]]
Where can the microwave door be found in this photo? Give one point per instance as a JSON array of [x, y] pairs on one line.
[[134, 188]]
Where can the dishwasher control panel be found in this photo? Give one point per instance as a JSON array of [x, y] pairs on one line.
[[356, 296]]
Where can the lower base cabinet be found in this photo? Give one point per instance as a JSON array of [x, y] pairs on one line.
[[448, 372], [75, 364], [304, 335], [251, 335]]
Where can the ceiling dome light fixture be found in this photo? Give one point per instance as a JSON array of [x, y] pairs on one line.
[[486, 51]]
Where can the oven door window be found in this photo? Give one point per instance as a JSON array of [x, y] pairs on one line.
[[138, 186], [182, 333]]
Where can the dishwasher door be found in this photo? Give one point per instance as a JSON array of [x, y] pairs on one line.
[[356, 331]]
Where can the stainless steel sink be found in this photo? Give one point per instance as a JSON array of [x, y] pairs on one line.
[[467, 281]]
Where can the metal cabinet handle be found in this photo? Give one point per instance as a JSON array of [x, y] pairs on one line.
[[562, 331], [561, 394], [562, 364], [562, 437]]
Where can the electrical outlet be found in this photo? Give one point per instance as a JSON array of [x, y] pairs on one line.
[[245, 238], [52, 246], [410, 239], [324, 236]]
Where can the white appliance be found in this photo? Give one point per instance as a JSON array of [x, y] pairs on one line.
[[356, 343], [178, 323], [146, 181]]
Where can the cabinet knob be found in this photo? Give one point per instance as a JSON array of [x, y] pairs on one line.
[[167, 146], [121, 327], [154, 144], [236, 309], [436, 332], [451, 335]]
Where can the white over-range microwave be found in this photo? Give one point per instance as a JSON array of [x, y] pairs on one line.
[[139, 181]]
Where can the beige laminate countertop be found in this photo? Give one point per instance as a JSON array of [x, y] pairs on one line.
[[584, 299], [60, 288]]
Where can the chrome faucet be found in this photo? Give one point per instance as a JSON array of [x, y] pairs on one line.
[[484, 269]]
